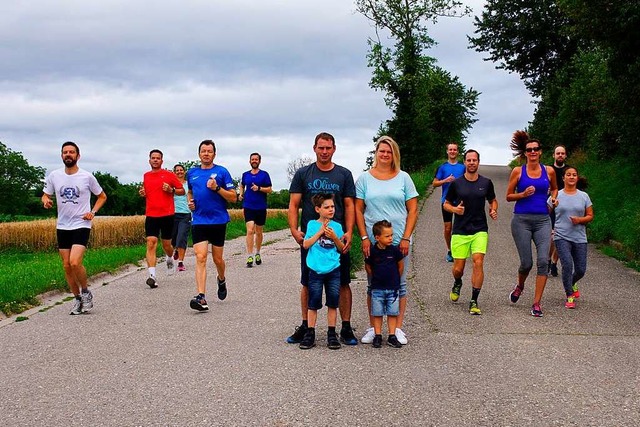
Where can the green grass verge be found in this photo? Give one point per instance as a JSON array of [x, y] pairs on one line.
[[24, 276]]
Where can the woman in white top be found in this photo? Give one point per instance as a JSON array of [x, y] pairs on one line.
[[386, 192]]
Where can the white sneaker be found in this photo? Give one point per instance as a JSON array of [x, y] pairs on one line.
[[402, 338], [77, 307], [171, 266], [368, 336], [87, 301]]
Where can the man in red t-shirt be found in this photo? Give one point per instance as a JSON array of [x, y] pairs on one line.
[[158, 187]]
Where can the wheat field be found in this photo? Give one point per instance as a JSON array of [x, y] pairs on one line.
[[107, 231]]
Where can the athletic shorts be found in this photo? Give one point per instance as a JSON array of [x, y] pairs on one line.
[[463, 246], [68, 238], [212, 233], [156, 226], [446, 216], [345, 268], [259, 216]]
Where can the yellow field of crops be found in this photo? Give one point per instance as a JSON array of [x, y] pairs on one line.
[[108, 231]]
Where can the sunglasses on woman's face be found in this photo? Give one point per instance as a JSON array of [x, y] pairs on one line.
[[532, 149]]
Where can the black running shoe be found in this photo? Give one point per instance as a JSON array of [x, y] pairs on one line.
[[222, 289], [199, 303], [377, 341], [298, 335], [393, 341], [553, 269], [332, 341], [258, 259], [347, 337], [151, 282], [309, 340]]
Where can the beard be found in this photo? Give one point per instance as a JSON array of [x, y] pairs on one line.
[[70, 162]]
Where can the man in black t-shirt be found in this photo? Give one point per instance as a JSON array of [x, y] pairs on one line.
[[324, 176], [470, 229], [559, 166]]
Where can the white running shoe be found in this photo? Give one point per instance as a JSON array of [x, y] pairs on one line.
[[77, 307], [368, 336], [87, 301], [171, 266], [402, 338]]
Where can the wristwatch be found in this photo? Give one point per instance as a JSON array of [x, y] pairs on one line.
[[218, 188], [365, 237]]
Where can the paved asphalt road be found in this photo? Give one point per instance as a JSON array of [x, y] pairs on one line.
[[143, 358]]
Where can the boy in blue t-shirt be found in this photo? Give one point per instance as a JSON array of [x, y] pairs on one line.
[[323, 240], [384, 265]]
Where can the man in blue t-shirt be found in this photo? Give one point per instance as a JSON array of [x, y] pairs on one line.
[[255, 184], [445, 175], [324, 176], [210, 188]]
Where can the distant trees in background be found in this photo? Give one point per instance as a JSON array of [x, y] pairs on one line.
[[430, 106], [580, 59], [20, 184]]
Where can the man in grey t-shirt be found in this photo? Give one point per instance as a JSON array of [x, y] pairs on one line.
[[324, 176]]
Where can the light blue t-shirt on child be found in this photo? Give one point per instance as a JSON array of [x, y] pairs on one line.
[[323, 256]]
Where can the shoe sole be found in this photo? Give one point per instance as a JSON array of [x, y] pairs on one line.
[[152, 283], [194, 305], [353, 341], [394, 346], [258, 262], [475, 313], [334, 346], [86, 310], [307, 347]]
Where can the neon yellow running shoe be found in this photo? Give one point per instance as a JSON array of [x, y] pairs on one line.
[[455, 290], [473, 308]]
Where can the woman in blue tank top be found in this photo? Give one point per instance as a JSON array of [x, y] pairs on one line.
[[529, 186]]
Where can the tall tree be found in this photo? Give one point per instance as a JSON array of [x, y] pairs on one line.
[[19, 182], [528, 37], [430, 107]]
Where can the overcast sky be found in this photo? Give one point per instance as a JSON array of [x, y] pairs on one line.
[[123, 77]]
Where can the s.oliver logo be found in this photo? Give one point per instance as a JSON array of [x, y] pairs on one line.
[[323, 184]]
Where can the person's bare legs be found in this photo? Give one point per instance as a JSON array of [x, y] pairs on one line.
[[201, 250], [217, 253], [74, 271], [251, 232]]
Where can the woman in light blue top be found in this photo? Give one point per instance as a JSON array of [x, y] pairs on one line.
[[181, 220], [385, 192]]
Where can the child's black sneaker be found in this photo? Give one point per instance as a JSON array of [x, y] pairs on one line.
[[377, 341], [393, 341], [309, 340], [332, 341]]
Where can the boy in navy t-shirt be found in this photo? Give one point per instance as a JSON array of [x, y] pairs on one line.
[[384, 265]]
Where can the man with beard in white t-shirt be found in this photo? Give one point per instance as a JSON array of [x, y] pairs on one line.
[[72, 187]]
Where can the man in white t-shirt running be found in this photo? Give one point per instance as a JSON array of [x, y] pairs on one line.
[[72, 187]]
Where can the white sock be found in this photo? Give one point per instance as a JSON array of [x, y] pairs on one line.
[[152, 271]]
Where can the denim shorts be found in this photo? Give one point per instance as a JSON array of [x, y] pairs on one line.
[[345, 268], [330, 282], [385, 302]]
